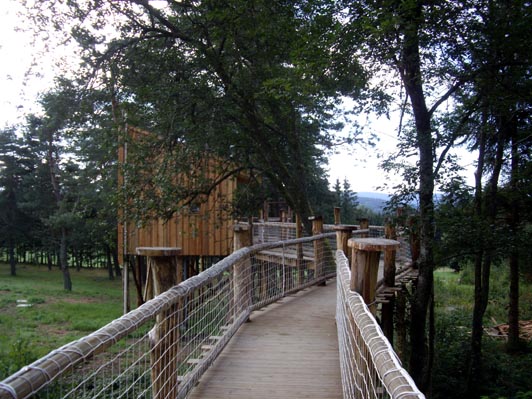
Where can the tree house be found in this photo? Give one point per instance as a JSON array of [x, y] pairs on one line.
[[201, 231]]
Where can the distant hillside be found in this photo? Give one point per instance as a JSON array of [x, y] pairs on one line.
[[374, 201], [377, 201]]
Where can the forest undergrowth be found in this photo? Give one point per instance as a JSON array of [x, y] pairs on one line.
[[505, 375]]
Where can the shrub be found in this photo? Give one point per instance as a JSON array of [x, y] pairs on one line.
[[19, 355]]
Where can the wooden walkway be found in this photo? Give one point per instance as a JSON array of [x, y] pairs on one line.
[[288, 350]]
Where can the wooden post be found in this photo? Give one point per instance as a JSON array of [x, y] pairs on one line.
[[389, 282], [319, 256], [364, 225], [343, 234], [266, 211], [400, 313], [164, 337], [365, 265], [337, 219], [242, 271], [284, 229], [125, 284], [299, 252]]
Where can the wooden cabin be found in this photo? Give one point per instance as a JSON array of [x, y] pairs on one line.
[[203, 231]]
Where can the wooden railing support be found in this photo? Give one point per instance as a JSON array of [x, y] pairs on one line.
[[242, 270], [165, 271], [365, 265], [389, 282], [364, 225], [337, 218], [343, 234], [317, 228], [299, 251]]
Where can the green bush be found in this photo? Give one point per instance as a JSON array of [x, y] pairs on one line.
[[19, 355], [451, 355], [504, 375]]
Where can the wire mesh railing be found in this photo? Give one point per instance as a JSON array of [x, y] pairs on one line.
[[370, 368], [161, 349]]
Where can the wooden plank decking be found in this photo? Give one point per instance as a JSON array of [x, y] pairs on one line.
[[288, 350]]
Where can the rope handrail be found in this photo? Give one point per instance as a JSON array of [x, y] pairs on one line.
[[370, 367]]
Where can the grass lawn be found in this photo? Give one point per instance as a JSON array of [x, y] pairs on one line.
[[56, 316]]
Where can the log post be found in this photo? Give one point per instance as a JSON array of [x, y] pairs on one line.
[[242, 271], [266, 211], [400, 313], [319, 256], [337, 219], [125, 285], [365, 265], [165, 272], [343, 234], [299, 252], [389, 281], [364, 225]]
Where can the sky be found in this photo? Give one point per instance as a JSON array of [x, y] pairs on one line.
[[21, 80], [25, 72]]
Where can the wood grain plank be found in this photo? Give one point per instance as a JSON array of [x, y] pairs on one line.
[[288, 350]]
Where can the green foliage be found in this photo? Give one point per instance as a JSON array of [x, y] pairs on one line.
[[18, 355], [252, 84], [504, 375]]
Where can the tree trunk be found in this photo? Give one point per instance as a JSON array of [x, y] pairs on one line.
[[116, 263], [109, 262], [49, 260], [63, 261], [483, 262], [410, 70], [513, 308], [12, 260]]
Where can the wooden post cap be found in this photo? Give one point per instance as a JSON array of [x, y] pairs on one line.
[[373, 244], [158, 251]]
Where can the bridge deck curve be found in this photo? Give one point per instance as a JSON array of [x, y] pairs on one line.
[[288, 350]]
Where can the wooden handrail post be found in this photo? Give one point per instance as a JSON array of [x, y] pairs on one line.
[[364, 225], [165, 268], [266, 211], [299, 251], [343, 234], [365, 265], [242, 270], [389, 282], [317, 228], [337, 217]]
